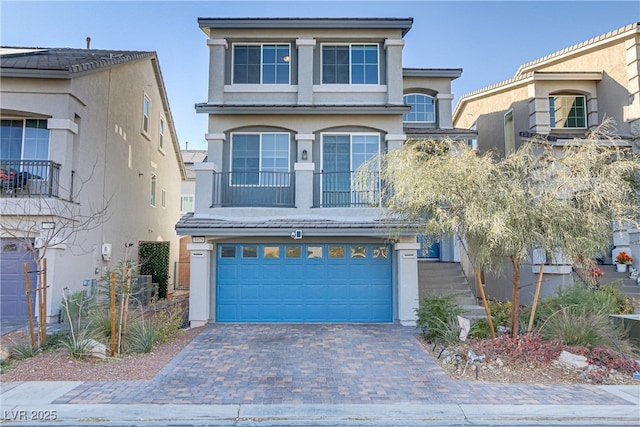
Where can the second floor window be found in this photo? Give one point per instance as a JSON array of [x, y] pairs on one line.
[[261, 64], [146, 114], [186, 203], [260, 159], [24, 140], [350, 64], [423, 109], [567, 111], [161, 135]]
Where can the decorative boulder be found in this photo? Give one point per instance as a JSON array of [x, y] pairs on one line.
[[573, 361]]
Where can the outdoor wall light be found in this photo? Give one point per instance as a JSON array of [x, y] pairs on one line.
[[286, 58], [304, 155]]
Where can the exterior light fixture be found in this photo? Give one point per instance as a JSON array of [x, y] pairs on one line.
[[197, 239], [304, 155], [286, 58], [48, 225]]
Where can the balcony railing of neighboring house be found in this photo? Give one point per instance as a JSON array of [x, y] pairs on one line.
[[254, 189], [28, 178], [345, 189]]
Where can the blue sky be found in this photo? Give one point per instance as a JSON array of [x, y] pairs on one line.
[[487, 39]]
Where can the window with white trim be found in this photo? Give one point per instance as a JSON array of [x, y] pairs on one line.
[[161, 135], [260, 159], [154, 182], [350, 64], [186, 203], [423, 108], [146, 114], [163, 198], [261, 64], [568, 111], [24, 139]]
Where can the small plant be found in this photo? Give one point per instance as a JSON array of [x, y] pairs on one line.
[[522, 349], [79, 346], [21, 350], [437, 316], [141, 338], [168, 321], [624, 258]]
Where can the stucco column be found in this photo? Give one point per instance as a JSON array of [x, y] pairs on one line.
[[393, 48], [217, 48], [395, 141], [200, 287], [304, 168], [407, 262], [61, 136], [444, 110], [54, 275], [204, 198], [305, 70]]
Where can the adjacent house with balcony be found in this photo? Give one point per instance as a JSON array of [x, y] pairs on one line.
[[280, 230], [91, 167], [560, 97]]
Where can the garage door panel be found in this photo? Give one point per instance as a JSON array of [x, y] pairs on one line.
[[306, 283]]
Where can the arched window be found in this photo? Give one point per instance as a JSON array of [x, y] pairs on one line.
[[423, 108]]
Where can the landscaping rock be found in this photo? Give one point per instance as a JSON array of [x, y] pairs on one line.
[[4, 353], [97, 349], [574, 361]]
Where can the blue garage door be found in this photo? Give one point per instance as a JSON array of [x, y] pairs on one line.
[[304, 283]]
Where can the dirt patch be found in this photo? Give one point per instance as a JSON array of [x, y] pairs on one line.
[[453, 360], [57, 365]]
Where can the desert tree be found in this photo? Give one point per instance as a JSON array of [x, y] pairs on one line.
[[560, 200]]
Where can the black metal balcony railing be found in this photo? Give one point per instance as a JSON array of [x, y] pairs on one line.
[[254, 189], [26, 178], [344, 189]]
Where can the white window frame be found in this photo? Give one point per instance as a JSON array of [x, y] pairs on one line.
[[154, 185], [23, 136], [260, 170], [146, 115], [161, 130], [435, 108], [163, 198], [262, 45], [182, 202], [377, 46]]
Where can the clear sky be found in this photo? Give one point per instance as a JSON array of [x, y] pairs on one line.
[[487, 39]]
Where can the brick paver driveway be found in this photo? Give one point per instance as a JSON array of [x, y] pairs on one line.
[[317, 363]]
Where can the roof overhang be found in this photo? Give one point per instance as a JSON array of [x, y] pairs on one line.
[[189, 225], [403, 24], [450, 73]]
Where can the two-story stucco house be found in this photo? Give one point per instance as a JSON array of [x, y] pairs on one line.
[[280, 231], [85, 133], [560, 97]]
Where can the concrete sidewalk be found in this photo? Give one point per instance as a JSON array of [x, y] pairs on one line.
[[29, 403]]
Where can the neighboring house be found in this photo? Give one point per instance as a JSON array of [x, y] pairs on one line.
[[296, 105], [560, 97], [83, 129], [182, 271]]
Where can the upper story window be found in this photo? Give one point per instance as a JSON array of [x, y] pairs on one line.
[[423, 108], [567, 111], [260, 159], [186, 203], [154, 182], [350, 64], [261, 64], [161, 135], [146, 114], [26, 139]]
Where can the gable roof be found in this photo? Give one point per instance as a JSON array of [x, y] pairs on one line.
[[66, 63], [528, 70], [62, 62]]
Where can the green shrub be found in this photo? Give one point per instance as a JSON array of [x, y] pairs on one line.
[[168, 321], [78, 345], [141, 337], [22, 350], [624, 305], [437, 316]]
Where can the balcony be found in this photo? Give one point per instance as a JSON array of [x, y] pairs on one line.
[[254, 189], [345, 189], [29, 178]]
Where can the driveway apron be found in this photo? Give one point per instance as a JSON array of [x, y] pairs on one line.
[[317, 364]]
